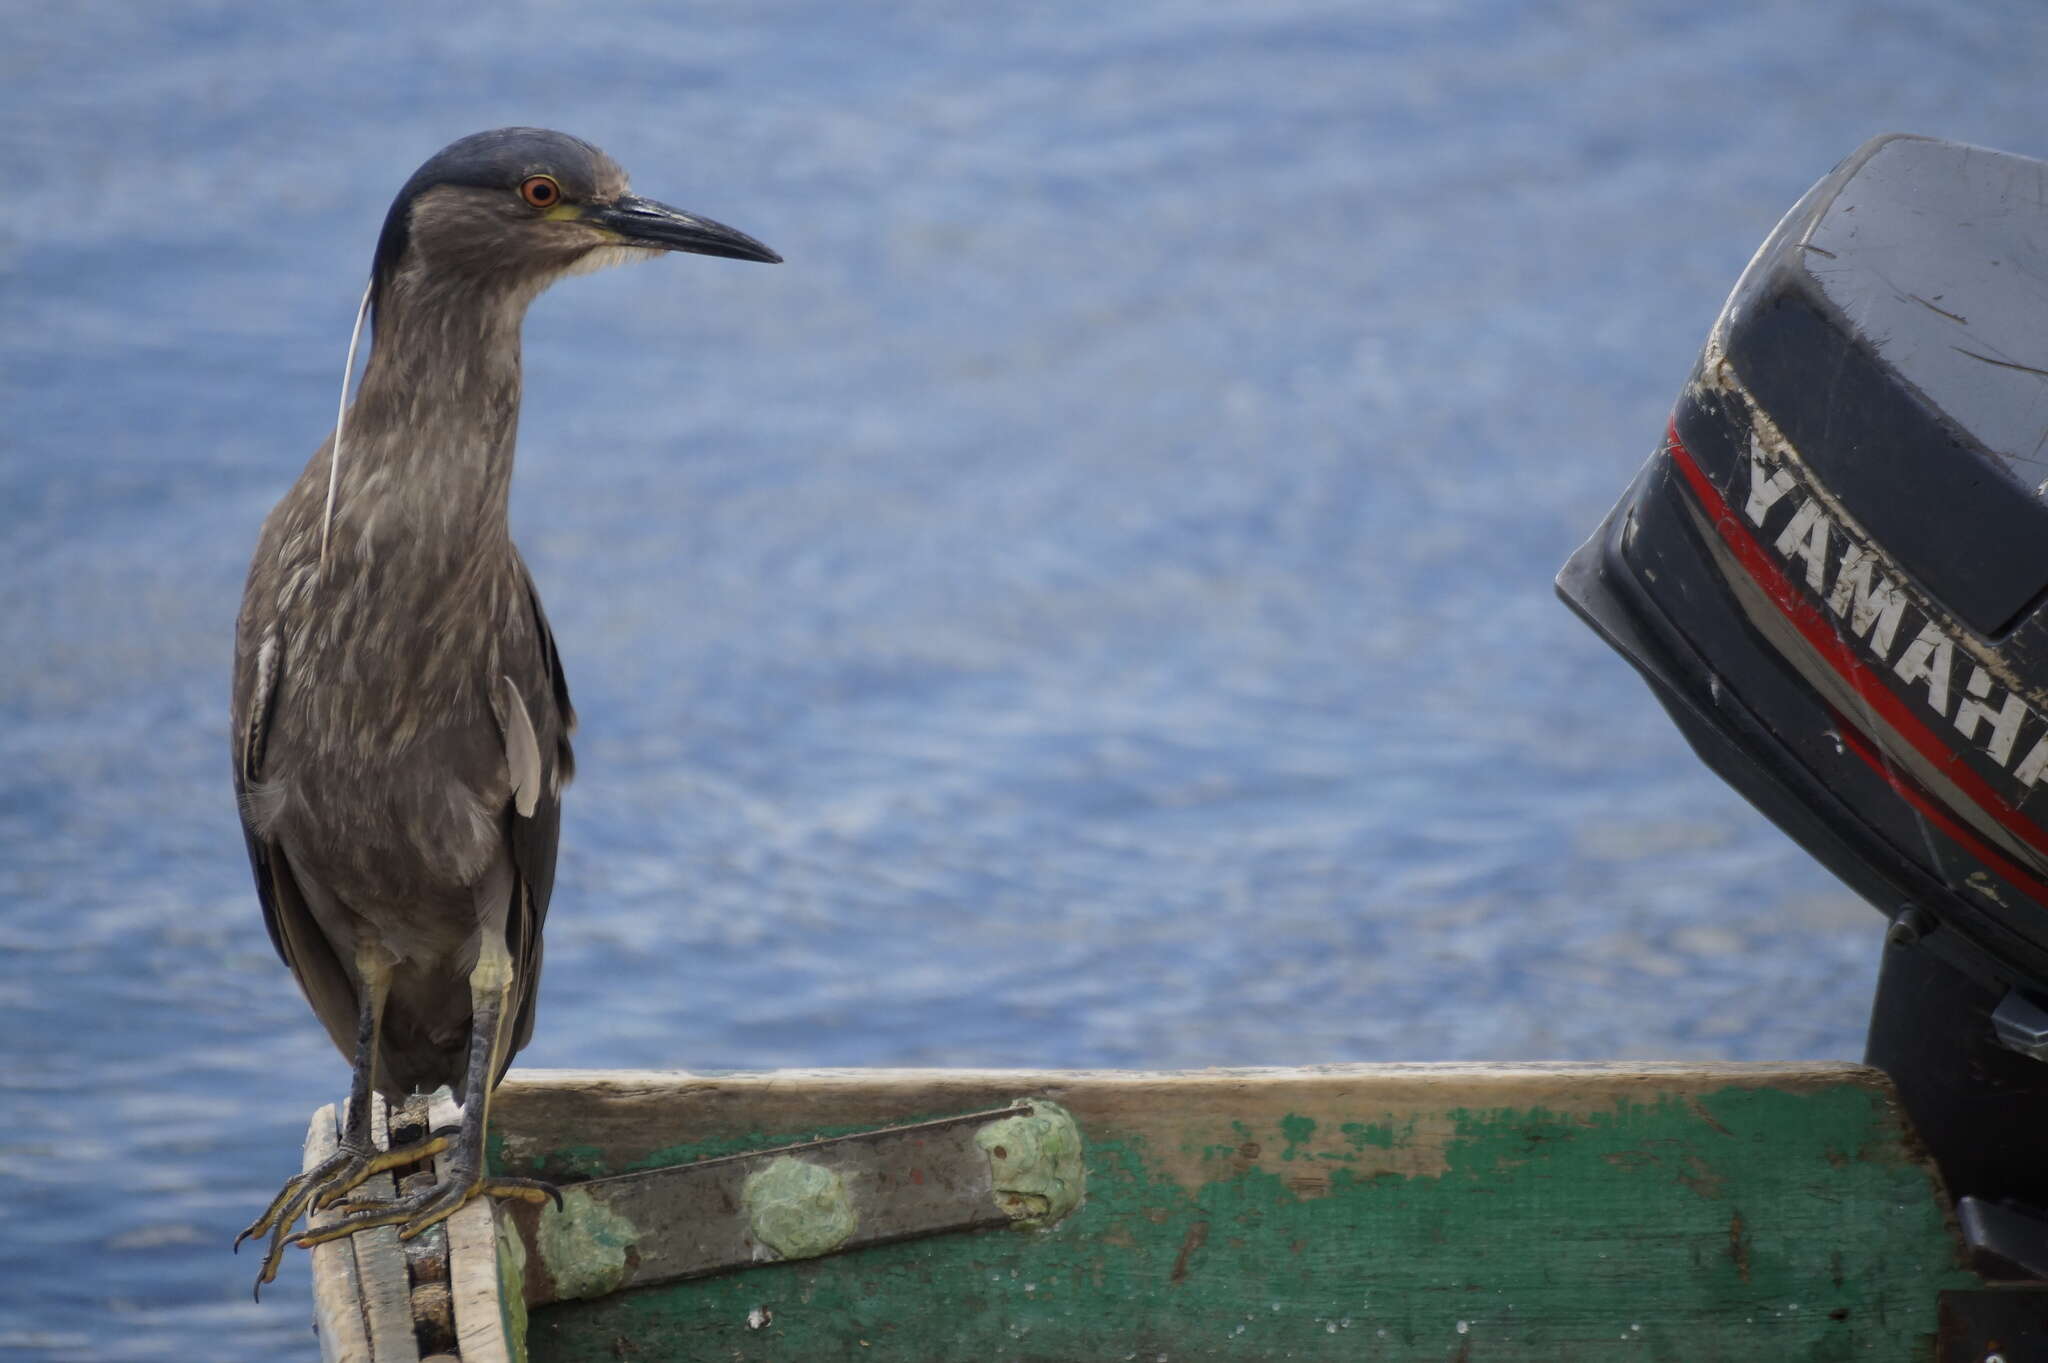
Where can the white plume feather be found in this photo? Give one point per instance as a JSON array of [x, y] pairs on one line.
[[348, 370]]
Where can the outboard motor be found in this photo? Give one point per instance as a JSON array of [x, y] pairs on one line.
[[1833, 572]]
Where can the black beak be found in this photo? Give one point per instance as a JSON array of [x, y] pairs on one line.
[[643, 222]]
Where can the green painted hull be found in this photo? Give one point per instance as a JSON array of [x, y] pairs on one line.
[[1649, 1212]]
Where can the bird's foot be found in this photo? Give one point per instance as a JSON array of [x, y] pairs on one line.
[[324, 1185], [430, 1206]]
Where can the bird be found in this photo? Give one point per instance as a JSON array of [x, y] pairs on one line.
[[400, 717]]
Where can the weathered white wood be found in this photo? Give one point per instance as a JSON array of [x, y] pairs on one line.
[[473, 1267], [337, 1298], [380, 1263]]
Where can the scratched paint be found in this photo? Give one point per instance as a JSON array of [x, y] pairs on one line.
[[512, 1277], [1740, 1224]]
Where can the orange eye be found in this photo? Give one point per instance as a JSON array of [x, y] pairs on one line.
[[540, 190]]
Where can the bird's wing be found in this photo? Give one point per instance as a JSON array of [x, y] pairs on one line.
[[293, 930], [535, 819]]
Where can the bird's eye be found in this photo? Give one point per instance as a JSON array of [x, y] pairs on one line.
[[540, 190]]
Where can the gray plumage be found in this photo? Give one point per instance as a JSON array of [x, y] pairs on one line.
[[400, 713]]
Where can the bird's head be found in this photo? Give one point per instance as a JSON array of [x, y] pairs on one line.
[[511, 210]]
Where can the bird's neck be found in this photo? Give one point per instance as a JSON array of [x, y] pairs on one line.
[[428, 442]]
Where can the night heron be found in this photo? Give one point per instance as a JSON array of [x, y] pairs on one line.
[[401, 721]]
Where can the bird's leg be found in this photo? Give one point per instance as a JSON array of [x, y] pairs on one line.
[[357, 1157], [463, 1179]]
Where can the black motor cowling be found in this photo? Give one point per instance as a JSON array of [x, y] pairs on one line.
[[1833, 569], [1834, 574]]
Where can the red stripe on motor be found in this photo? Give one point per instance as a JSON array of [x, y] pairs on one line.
[[1936, 814], [1821, 633]]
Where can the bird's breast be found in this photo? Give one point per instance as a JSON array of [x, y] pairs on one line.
[[384, 749]]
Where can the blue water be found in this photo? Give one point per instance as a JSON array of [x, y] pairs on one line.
[[1090, 607]]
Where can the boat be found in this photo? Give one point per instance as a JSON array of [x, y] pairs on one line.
[[1457, 1211]]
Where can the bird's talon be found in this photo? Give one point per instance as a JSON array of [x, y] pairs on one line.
[[416, 1212], [355, 1206], [524, 1190], [321, 1188]]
